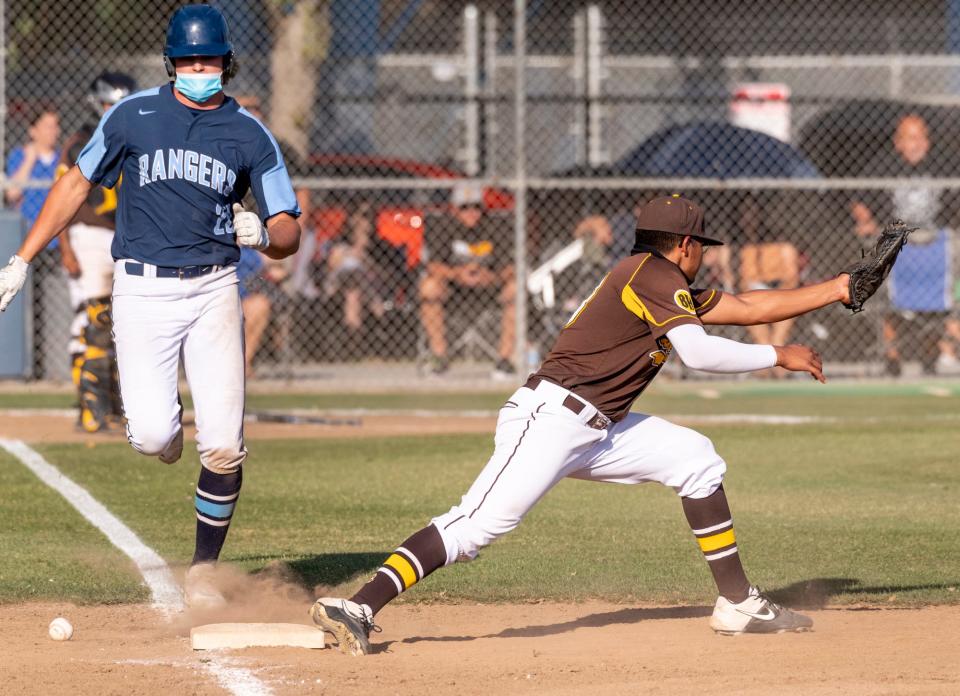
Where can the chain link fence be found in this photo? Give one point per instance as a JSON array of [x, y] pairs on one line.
[[457, 209]]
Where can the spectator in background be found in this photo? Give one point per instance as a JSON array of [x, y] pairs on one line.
[[260, 281], [572, 277], [36, 159], [265, 283], [469, 267], [296, 167], [597, 235], [767, 262], [363, 270], [921, 282]]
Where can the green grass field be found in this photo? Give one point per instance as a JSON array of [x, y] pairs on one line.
[[795, 396], [852, 511]]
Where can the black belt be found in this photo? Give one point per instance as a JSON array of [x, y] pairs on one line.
[[571, 403], [181, 272]]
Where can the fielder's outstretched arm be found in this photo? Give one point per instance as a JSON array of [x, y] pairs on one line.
[[770, 306], [62, 203], [700, 351]]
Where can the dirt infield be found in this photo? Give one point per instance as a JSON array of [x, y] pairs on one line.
[[587, 648], [37, 426], [535, 648]]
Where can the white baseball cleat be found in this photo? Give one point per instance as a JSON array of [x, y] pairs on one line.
[[756, 614], [349, 622], [200, 589]]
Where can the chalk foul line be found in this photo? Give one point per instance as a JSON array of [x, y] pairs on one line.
[[164, 590]]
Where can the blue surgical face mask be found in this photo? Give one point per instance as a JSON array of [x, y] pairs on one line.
[[198, 87]]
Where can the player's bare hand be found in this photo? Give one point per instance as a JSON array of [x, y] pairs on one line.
[[12, 278], [70, 263], [249, 229], [843, 288], [471, 275], [798, 358]]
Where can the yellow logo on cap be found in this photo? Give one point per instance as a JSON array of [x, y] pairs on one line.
[[684, 301]]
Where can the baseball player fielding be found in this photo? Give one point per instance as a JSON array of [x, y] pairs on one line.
[[573, 419]]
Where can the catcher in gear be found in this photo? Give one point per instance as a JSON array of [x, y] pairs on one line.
[[573, 419], [86, 258], [868, 274]]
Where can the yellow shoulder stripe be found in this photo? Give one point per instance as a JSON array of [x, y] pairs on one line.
[[633, 302], [710, 298]]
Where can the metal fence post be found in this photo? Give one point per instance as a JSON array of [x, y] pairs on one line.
[[594, 78], [471, 90], [3, 92], [579, 75], [520, 191], [489, 149]]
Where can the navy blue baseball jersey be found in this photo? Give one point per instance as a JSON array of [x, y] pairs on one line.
[[183, 169]]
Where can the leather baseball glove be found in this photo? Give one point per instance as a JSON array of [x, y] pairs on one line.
[[868, 274]]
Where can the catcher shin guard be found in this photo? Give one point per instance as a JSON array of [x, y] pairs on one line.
[[215, 502], [116, 402], [712, 525], [96, 367], [413, 560], [76, 365]]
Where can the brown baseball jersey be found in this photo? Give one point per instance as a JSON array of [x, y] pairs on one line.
[[615, 343]]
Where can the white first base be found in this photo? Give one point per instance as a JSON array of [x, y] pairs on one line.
[[249, 635]]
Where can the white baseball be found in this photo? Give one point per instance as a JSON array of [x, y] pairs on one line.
[[60, 629]]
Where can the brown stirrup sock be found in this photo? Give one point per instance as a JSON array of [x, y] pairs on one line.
[[712, 525], [413, 560]]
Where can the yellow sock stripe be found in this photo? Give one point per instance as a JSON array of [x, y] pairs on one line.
[[717, 541], [403, 568]]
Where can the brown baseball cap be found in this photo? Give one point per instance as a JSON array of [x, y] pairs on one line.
[[674, 214]]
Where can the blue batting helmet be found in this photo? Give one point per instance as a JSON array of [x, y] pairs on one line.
[[197, 30]]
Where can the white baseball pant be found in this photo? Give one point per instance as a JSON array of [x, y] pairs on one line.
[[539, 441], [154, 321]]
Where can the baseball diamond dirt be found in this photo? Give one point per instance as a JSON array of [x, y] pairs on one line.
[[530, 648], [514, 649]]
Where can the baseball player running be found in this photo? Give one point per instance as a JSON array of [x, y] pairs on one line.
[[85, 254], [187, 154], [572, 418]]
